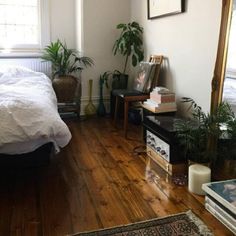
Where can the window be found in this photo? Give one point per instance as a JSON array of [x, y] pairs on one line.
[[23, 24]]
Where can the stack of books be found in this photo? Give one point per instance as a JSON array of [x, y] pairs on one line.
[[220, 201], [161, 100]]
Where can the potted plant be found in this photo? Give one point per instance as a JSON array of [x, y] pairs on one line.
[[103, 80], [195, 134], [65, 63], [129, 44]]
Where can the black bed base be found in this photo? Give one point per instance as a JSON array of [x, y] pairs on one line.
[[39, 157]]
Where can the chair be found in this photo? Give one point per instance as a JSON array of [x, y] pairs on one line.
[[135, 95]]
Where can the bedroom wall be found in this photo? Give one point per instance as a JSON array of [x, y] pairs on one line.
[[99, 21], [62, 21], [189, 43]]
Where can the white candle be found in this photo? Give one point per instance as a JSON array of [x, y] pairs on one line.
[[198, 175]]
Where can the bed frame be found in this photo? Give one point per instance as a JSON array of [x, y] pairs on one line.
[[39, 157]]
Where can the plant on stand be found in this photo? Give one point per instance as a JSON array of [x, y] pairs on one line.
[[65, 64], [103, 80], [129, 44]]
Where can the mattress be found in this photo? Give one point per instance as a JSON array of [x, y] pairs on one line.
[[28, 112]]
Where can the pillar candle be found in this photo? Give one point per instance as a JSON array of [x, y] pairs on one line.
[[198, 175]]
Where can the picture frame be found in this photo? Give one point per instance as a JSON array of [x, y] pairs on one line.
[[144, 77], [162, 8]]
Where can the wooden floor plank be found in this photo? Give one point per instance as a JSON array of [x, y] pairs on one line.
[[25, 218], [96, 181]]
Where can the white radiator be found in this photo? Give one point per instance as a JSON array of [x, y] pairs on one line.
[[35, 64]]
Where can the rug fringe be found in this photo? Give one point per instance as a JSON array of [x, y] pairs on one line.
[[204, 230]]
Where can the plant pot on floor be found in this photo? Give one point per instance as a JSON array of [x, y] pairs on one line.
[[119, 81]]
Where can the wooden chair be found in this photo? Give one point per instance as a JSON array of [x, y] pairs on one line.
[[129, 96]]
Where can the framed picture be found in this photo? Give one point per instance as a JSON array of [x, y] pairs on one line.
[[160, 8], [144, 78]]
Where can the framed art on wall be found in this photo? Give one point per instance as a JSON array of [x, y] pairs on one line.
[[160, 8]]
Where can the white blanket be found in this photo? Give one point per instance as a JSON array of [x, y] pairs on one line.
[[28, 112]]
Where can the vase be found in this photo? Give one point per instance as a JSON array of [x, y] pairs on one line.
[[101, 111], [90, 109]]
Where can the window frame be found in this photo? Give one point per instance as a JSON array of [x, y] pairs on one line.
[[28, 50]]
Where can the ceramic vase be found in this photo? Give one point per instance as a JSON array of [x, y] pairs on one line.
[[101, 111]]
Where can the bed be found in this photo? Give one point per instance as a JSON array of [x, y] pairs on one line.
[[29, 120], [229, 92]]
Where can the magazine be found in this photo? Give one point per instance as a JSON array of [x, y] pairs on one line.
[[223, 192], [221, 218]]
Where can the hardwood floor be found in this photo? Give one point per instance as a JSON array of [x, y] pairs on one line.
[[97, 181]]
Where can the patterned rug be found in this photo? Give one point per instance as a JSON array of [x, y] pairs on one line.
[[184, 224]]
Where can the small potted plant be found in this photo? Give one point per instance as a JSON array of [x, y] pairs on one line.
[[129, 44], [65, 63], [196, 134]]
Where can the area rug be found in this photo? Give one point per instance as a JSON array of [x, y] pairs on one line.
[[184, 224]]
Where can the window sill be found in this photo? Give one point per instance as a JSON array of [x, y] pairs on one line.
[[36, 54]]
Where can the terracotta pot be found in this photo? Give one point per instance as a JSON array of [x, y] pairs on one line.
[[65, 88]]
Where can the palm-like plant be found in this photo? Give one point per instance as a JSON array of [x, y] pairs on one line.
[[130, 43], [64, 60], [195, 134]]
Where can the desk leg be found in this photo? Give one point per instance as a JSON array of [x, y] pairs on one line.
[[116, 109], [126, 110]]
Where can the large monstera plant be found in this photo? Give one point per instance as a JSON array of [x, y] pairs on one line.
[[130, 43]]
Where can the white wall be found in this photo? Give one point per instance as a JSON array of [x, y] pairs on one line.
[[188, 40], [189, 43], [100, 18], [62, 21]]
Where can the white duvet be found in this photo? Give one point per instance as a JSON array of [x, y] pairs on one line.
[[28, 112]]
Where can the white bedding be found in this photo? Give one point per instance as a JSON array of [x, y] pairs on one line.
[[28, 112]]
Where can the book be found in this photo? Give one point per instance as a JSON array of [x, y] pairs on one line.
[[162, 98], [158, 109], [221, 210], [223, 192], [161, 105], [221, 218], [161, 90]]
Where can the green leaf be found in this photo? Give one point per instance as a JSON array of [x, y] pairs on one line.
[[130, 42], [64, 60]]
